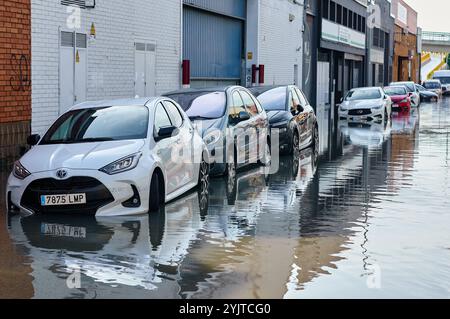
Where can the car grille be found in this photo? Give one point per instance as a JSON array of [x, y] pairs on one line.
[[97, 195], [359, 112]]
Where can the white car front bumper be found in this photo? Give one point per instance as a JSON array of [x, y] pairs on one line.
[[105, 193], [375, 114]]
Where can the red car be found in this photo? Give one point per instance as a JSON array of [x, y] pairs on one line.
[[401, 100]]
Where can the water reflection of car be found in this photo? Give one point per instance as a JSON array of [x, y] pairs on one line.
[[366, 104], [135, 251], [426, 95], [110, 158], [291, 114], [364, 134], [231, 122], [400, 98]]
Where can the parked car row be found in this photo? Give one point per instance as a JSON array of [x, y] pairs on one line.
[[129, 157], [377, 104]]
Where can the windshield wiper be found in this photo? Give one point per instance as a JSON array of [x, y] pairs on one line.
[[93, 139]]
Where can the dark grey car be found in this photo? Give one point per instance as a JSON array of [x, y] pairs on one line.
[[233, 124], [290, 112]]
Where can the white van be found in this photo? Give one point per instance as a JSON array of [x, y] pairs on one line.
[[444, 77]]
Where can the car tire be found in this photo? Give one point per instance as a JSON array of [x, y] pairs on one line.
[[316, 138], [155, 197], [231, 168], [295, 142], [266, 160], [203, 176]]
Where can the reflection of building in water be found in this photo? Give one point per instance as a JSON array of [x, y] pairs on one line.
[[338, 197], [404, 136]]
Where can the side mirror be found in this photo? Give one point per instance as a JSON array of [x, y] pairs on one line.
[[300, 109], [341, 99], [32, 140], [166, 132], [244, 116]]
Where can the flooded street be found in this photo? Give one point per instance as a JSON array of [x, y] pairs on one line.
[[368, 218]]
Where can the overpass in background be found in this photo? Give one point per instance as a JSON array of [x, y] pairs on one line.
[[438, 42]]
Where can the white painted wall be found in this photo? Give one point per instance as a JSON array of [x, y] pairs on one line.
[[280, 40], [119, 24]]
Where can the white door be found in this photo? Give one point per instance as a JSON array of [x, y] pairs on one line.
[[73, 70], [66, 83], [145, 70]]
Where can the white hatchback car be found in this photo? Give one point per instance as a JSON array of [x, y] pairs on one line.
[[110, 158]]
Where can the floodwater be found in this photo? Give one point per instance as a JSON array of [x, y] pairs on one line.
[[368, 218]]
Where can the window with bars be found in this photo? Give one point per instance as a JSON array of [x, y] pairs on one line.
[[83, 4]]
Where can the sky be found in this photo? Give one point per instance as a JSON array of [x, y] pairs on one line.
[[433, 14]]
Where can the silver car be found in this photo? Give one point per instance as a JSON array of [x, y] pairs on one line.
[[366, 104]]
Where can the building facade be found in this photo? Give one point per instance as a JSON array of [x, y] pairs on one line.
[[380, 44], [95, 50], [341, 56], [15, 81], [406, 48], [224, 40]]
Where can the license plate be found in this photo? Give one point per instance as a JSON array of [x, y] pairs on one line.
[[63, 231], [395, 105], [62, 200]]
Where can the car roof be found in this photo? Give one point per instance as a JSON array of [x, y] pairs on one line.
[[368, 87], [117, 102], [201, 90], [264, 88], [403, 82], [432, 81]]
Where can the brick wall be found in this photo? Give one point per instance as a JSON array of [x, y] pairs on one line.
[[15, 50], [110, 58]]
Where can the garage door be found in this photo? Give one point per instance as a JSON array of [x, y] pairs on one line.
[[213, 40]]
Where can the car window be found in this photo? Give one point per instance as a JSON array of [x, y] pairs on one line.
[[395, 90], [99, 124], [303, 100], [208, 105], [363, 94], [174, 114], [237, 106], [249, 104], [294, 102], [161, 118], [274, 99]]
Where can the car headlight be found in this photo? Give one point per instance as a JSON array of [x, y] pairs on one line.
[[125, 164], [404, 101], [19, 171], [343, 108], [377, 107], [212, 137]]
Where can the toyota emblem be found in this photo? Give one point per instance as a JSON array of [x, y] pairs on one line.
[[61, 173]]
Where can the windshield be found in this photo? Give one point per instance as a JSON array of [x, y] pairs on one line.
[[273, 100], [444, 80], [393, 91], [363, 94], [410, 87], [99, 124], [432, 85], [207, 105]]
